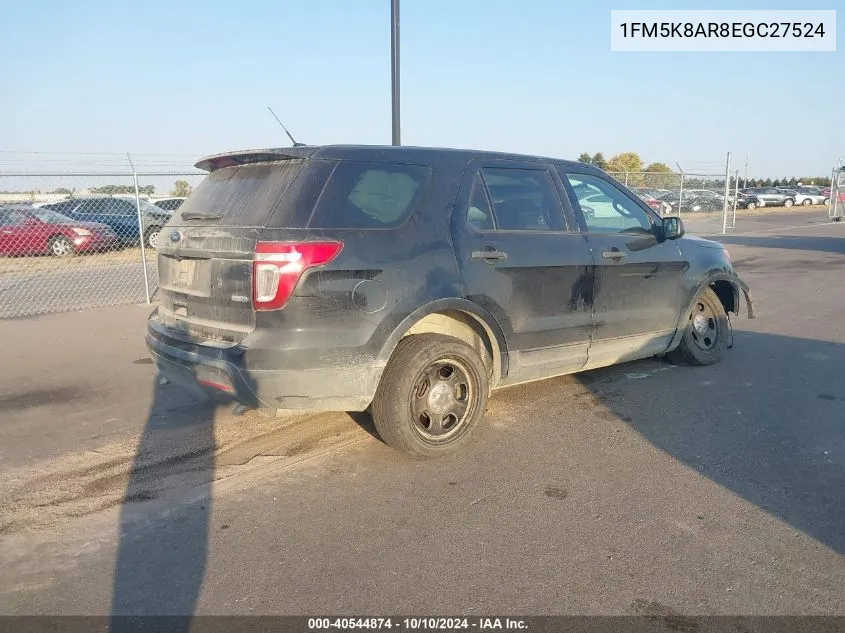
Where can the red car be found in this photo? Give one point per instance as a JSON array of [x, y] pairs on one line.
[[27, 230]]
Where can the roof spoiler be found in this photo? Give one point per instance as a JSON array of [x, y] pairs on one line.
[[230, 159]]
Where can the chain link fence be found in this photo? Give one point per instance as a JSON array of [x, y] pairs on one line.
[[837, 195], [703, 200], [79, 240], [680, 193]]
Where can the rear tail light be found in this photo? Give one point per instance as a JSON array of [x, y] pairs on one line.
[[278, 267]]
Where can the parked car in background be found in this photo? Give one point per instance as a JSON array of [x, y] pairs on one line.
[[654, 193], [663, 208], [432, 271], [692, 202], [709, 200], [168, 204], [809, 195], [747, 201], [29, 230], [120, 214], [772, 196]]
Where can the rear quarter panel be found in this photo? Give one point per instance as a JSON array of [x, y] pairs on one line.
[[346, 312]]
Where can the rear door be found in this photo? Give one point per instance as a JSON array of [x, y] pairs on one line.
[[638, 278], [771, 196], [524, 261]]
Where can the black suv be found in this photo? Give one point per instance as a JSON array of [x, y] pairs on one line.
[[412, 281]]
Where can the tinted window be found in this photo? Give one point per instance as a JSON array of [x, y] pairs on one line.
[[51, 217], [168, 205], [102, 206], [119, 206], [369, 196], [12, 218], [607, 209], [61, 207], [523, 199], [479, 213], [90, 206], [244, 195]]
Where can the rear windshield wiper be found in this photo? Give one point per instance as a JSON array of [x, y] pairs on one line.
[[197, 215]]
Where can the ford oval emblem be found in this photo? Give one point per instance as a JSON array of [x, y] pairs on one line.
[[175, 236]]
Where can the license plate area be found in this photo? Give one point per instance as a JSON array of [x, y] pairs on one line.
[[190, 276]]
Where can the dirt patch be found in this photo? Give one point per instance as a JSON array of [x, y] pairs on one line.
[[39, 397], [164, 459]]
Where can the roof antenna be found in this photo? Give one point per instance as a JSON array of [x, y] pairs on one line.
[[292, 140]]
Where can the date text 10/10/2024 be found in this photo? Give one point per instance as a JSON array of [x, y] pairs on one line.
[[417, 624]]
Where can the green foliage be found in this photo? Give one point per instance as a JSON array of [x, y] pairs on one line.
[[111, 190], [181, 189], [626, 161], [659, 168], [599, 161], [584, 157]]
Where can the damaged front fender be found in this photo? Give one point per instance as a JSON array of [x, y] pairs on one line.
[[746, 291]]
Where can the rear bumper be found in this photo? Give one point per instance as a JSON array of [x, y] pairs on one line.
[[208, 366]]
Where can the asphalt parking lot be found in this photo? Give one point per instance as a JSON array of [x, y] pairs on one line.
[[641, 488]]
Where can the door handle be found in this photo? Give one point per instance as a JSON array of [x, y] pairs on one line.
[[617, 255], [491, 254]]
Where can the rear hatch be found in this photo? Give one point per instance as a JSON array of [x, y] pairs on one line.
[[206, 251]]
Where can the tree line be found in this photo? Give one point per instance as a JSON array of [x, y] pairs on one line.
[[632, 163], [181, 189]]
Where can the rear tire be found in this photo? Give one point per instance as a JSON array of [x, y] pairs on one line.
[[705, 340], [751, 205], [788, 202], [431, 397], [60, 246], [151, 237], [826, 201]]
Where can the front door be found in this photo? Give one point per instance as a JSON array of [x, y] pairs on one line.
[[639, 277], [523, 259]]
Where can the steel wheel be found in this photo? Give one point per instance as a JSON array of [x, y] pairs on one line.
[[60, 246], [441, 399], [706, 330], [152, 238]]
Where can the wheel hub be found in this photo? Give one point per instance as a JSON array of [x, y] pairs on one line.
[[700, 324], [441, 399]]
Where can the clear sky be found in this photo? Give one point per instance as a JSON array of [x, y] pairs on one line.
[[188, 78]]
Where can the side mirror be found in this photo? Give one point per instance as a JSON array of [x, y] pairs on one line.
[[673, 228]]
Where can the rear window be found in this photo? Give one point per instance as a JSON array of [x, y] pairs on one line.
[[364, 195], [243, 195]]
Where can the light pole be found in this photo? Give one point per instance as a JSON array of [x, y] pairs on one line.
[[394, 68]]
